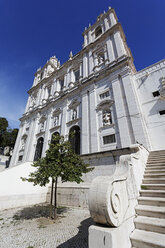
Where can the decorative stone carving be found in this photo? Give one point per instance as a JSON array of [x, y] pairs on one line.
[[74, 114], [23, 141], [74, 103], [107, 118], [42, 123], [104, 104], [108, 198], [70, 55], [56, 120]]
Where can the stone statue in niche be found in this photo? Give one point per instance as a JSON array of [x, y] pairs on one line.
[[100, 58], [56, 121], [23, 142], [107, 118], [33, 100], [74, 114]]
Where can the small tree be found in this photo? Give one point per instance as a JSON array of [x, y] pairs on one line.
[[60, 161]]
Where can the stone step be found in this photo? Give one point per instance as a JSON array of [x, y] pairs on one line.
[[152, 201], [152, 181], [155, 171], [157, 151], [150, 211], [155, 164], [150, 224], [144, 239], [155, 167], [160, 161], [153, 186], [153, 193], [156, 156], [150, 175]]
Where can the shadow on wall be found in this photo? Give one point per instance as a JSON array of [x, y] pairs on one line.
[[81, 239]]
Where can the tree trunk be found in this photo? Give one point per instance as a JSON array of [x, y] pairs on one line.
[[55, 199], [51, 200]]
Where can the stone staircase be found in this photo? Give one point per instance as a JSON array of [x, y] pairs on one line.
[[150, 221]]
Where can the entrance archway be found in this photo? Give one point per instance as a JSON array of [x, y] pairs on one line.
[[55, 134], [39, 147], [74, 138]]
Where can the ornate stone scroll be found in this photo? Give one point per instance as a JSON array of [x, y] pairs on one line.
[[108, 198]]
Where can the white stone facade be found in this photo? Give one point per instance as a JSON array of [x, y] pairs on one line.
[[99, 92]]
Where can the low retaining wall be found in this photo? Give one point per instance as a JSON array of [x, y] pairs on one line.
[[16, 193], [104, 163]]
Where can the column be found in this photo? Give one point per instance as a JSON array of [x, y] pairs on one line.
[[89, 36], [58, 88], [93, 121], [85, 66], [81, 70], [30, 147], [42, 94], [106, 24], [125, 130], [112, 19], [65, 81], [95, 61], [39, 96], [54, 87], [91, 65], [64, 118], [85, 124], [68, 78], [85, 40], [27, 105], [138, 124], [47, 134], [119, 44]]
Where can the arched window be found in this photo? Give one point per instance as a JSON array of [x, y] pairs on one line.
[[74, 138], [39, 147], [55, 134]]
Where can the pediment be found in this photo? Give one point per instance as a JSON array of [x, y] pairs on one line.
[[105, 103], [74, 103], [56, 112]]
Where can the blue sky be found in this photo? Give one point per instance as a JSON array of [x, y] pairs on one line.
[[33, 31]]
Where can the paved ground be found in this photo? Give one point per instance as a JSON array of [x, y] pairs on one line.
[[30, 228]]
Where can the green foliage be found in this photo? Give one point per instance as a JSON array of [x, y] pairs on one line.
[[60, 161], [7, 136]]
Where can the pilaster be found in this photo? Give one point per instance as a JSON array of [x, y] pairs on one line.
[[119, 44], [126, 136], [85, 66], [85, 124]]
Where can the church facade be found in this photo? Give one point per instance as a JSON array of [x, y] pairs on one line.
[[98, 95]]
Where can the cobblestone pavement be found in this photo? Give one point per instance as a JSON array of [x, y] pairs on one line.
[[30, 228]]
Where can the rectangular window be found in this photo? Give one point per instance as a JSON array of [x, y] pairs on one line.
[[20, 158], [155, 93], [104, 95], [109, 139], [61, 83], [162, 112], [77, 75], [49, 91]]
